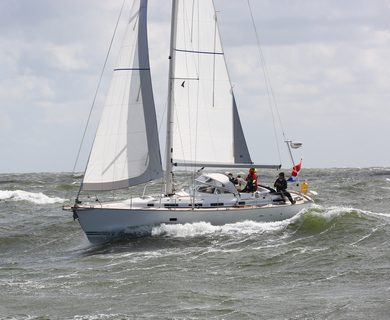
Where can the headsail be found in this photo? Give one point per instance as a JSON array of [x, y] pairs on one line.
[[207, 128], [126, 149]]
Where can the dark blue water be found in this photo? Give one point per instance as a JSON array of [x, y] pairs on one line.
[[330, 262]]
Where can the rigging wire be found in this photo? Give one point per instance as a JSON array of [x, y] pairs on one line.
[[97, 89], [271, 96]]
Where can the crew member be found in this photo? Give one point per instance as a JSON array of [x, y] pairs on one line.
[[281, 186], [241, 183], [231, 178], [251, 181]]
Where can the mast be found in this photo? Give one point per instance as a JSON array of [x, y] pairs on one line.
[[169, 138]]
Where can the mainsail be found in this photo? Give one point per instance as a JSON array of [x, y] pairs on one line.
[[206, 128], [126, 149]]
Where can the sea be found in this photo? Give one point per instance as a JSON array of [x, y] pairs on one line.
[[328, 262]]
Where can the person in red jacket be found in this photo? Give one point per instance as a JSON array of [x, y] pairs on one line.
[[251, 181]]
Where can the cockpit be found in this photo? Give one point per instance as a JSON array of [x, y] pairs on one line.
[[214, 183]]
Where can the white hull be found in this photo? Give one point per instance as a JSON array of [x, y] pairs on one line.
[[105, 224]]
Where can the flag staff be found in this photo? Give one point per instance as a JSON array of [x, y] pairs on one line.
[[296, 168], [288, 142]]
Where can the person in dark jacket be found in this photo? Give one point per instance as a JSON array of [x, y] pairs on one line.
[[281, 186], [231, 178]]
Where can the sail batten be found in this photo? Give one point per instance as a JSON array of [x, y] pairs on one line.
[[199, 52], [126, 149], [226, 165]]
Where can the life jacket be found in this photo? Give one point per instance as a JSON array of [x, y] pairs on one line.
[[252, 181]]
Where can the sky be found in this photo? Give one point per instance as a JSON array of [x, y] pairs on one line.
[[327, 60]]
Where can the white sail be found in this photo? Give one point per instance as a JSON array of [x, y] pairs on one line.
[[207, 127], [126, 149]]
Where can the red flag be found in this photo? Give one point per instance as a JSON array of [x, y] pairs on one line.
[[296, 169]]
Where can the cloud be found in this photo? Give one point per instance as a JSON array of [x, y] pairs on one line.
[[67, 57], [327, 61]]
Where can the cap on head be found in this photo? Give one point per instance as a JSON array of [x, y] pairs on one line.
[[281, 174]]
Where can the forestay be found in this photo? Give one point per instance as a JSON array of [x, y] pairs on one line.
[[207, 127], [126, 149]]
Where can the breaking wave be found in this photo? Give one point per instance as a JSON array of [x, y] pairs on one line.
[[342, 220], [314, 220], [20, 195], [189, 230]]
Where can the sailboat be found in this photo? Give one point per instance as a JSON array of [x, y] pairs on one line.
[[203, 131]]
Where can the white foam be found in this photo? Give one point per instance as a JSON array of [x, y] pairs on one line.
[[339, 211], [205, 228], [330, 213], [334, 212], [20, 195], [386, 215], [100, 316], [252, 227], [184, 230]]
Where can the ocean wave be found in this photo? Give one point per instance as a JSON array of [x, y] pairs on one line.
[[113, 316], [37, 198], [320, 219], [340, 211], [196, 229], [315, 219]]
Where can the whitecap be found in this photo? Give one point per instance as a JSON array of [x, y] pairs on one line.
[[252, 227], [338, 211], [20, 195], [330, 213], [205, 228], [185, 230], [100, 316]]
